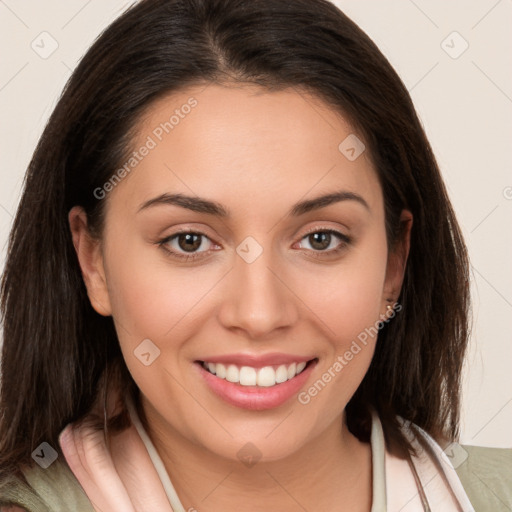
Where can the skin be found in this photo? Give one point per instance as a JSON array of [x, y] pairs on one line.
[[257, 153]]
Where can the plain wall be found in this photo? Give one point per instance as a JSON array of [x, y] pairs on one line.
[[464, 101]]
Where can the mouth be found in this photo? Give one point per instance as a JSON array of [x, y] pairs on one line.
[[265, 377], [256, 387]]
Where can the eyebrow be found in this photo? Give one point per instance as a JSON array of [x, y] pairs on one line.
[[201, 205]]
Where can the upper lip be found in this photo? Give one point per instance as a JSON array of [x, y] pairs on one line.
[[257, 361]]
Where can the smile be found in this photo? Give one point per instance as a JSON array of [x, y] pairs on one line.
[[256, 383], [248, 376]]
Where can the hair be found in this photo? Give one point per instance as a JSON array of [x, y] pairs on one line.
[[59, 355]]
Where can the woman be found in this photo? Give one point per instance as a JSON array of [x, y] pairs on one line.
[[235, 280]]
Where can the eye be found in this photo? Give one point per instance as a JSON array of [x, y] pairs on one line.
[[186, 244], [325, 241], [189, 245]]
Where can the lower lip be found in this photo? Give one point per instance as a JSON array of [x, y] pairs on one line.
[[253, 397]]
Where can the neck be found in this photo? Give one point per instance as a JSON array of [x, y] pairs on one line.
[[330, 473]]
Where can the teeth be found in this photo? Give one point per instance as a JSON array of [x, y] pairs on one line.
[[220, 371], [266, 377], [232, 374], [281, 374], [292, 370], [247, 376]]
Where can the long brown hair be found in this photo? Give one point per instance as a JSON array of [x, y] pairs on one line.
[[57, 348]]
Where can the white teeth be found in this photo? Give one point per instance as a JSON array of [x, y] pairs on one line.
[[220, 371], [292, 371], [248, 376], [281, 374], [232, 374], [266, 377], [300, 367]]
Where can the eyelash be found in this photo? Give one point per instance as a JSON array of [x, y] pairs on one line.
[[345, 241]]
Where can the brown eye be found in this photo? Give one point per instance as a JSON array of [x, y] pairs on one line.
[[189, 242], [320, 241], [326, 240], [187, 245]]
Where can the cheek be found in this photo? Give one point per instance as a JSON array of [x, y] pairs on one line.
[[348, 297], [150, 296], [151, 302], [348, 302]]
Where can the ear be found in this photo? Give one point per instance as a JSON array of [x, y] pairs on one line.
[[90, 258], [397, 260]]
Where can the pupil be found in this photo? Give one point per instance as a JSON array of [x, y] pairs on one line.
[[189, 241], [320, 241]]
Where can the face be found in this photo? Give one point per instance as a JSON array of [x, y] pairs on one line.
[[242, 300]]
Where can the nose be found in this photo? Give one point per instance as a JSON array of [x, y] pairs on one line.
[[258, 300]]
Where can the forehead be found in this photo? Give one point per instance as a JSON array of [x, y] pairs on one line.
[[244, 145]]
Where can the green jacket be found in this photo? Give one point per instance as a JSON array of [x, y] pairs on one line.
[[486, 476]]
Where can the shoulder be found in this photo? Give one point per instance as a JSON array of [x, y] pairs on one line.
[[54, 489], [486, 475]]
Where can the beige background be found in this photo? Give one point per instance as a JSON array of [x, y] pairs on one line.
[[465, 104]]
